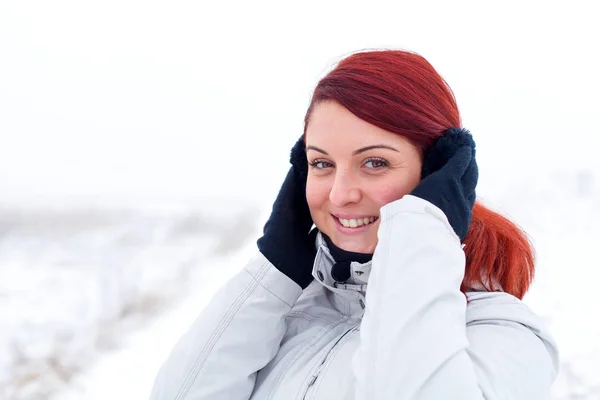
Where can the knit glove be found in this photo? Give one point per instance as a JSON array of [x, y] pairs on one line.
[[449, 178], [286, 241]]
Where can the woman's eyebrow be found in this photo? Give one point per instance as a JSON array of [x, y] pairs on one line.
[[316, 149], [356, 152], [376, 146]]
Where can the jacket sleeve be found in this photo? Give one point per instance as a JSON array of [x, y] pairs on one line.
[[415, 340], [236, 335]]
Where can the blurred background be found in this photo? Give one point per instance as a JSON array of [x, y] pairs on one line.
[[142, 144]]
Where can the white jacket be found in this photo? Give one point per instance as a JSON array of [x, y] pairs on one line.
[[411, 335]]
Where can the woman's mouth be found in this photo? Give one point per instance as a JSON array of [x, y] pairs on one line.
[[356, 222], [354, 225]]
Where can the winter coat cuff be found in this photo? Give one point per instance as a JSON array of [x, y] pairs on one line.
[[415, 205]]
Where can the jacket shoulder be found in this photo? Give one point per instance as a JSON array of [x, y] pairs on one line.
[[500, 308], [509, 340]]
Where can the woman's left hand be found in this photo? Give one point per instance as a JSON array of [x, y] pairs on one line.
[[449, 178]]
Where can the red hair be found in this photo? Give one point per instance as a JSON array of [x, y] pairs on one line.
[[401, 92]]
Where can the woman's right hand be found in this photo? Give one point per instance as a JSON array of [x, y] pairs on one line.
[[286, 241]]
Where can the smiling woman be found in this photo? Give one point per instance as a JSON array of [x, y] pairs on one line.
[[356, 168], [399, 97], [407, 288]]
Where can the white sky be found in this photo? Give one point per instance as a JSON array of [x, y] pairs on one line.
[[145, 99]]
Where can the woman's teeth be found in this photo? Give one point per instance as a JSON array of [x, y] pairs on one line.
[[354, 223]]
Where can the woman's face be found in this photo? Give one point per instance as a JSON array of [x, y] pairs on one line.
[[355, 168]]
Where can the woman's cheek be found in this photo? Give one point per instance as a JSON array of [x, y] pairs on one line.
[[316, 194], [388, 193]]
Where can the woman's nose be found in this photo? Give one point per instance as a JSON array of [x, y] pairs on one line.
[[345, 190]]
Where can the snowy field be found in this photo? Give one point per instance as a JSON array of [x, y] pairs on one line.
[[75, 282], [93, 299]]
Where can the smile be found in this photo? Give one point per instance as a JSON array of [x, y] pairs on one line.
[[356, 222]]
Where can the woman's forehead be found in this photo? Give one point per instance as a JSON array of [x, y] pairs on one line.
[[332, 127], [330, 120]]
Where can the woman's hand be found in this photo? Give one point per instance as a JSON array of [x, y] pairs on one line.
[[286, 242], [449, 178]]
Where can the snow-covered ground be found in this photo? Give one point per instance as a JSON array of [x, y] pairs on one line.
[[75, 282], [129, 372]]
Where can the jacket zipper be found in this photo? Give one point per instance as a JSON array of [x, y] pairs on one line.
[[316, 374]]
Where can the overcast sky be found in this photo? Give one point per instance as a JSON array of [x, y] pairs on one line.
[[167, 100]]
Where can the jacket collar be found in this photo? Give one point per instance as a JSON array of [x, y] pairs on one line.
[[356, 286], [352, 291]]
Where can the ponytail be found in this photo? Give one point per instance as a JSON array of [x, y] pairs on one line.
[[499, 254]]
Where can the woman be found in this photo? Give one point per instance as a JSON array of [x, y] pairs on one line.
[[406, 289]]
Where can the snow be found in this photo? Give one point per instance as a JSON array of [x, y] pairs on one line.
[[75, 282], [145, 350]]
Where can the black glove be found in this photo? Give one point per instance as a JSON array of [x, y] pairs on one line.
[[286, 241], [449, 178]]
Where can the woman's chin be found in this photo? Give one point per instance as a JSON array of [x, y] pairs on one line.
[[355, 246]]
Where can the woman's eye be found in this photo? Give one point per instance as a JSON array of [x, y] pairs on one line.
[[319, 164], [376, 164]]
